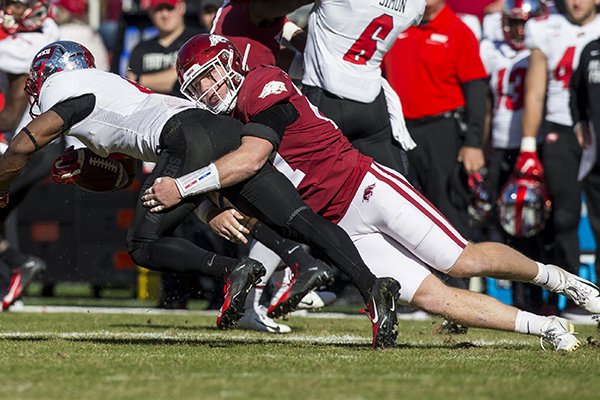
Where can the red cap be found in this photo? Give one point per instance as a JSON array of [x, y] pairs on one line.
[[154, 4], [75, 7]]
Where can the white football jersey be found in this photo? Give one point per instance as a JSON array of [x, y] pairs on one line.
[[347, 40], [127, 118], [562, 43], [17, 51], [507, 69]]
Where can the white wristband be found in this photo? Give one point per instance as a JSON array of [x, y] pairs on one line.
[[528, 144], [200, 181], [289, 30]]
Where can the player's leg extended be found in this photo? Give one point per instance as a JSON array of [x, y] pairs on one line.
[[481, 311]]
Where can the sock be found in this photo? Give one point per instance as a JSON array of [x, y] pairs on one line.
[[548, 277], [529, 323], [290, 252]]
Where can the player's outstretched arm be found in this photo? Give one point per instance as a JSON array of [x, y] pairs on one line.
[[228, 170], [37, 134], [16, 103]]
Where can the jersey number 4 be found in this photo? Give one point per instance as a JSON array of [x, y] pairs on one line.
[[564, 68], [363, 49]]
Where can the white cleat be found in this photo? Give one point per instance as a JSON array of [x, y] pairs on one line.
[[315, 300], [257, 320], [560, 333], [581, 291]]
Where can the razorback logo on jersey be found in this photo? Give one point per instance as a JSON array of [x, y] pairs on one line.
[[273, 87]]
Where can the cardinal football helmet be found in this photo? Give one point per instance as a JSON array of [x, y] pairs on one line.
[[35, 13], [206, 66], [514, 15], [59, 56], [523, 207]]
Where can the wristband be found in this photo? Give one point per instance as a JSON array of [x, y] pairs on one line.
[[528, 144], [289, 30], [200, 181]]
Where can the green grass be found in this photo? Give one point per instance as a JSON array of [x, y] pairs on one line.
[[98, 356]]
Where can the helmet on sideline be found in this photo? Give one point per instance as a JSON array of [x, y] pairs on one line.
[[523, 207], [514, 15], [58, 56], [215, 60], [32, 18]]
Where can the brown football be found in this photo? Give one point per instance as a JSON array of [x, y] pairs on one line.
[[99, 174]]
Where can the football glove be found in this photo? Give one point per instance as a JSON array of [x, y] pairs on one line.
[[67, 167]]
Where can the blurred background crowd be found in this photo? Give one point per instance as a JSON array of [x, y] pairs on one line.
[[482, 87]]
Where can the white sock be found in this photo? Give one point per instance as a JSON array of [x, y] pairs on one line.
[[529, 323], [548, 277]]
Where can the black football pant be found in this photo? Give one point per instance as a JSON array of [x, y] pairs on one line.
[[366, 125], [561, 157], [195, 138]]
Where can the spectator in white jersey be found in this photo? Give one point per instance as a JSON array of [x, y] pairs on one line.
[[25, 28], [555, 43]]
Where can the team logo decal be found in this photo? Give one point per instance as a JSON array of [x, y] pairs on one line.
[[551, 137], [368, 192], [46, 53], [216, 39], [273, 87]]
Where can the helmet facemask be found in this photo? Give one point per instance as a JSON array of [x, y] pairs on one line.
[[219, 74]]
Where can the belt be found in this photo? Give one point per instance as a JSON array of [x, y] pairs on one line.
[[455, 114]]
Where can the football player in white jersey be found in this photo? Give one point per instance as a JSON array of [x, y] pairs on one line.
[[24, 29], [556, 43], [112, 115], [506, 61], [342, 74]]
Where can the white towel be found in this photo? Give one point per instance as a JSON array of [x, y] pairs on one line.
[[399, 130]]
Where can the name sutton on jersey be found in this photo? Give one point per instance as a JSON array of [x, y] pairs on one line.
[[394, 5]]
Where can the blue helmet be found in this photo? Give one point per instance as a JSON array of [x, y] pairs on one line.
[[59, 56]]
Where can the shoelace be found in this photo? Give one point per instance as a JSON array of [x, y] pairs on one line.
[[552, 337], [578, 291]]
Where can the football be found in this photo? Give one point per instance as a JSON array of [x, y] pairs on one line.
[[99, 174]]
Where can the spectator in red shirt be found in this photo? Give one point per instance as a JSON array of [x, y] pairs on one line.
[[436, 70], [475, 7]]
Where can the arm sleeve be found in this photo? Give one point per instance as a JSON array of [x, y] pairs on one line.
[[475, 107], [271, 123], [75, 109]]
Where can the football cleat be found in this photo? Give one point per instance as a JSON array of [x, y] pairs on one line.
[[560, 333], [315, 300], [581, 291], [256, 319], [237, 285], [381, 310], [21, 277], [303, 281]]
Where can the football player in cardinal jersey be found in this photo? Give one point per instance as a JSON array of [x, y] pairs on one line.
[[110, 114], [397, 231], [342, 72], [506, 62], [259, 28], [26, 28], [556, 43]]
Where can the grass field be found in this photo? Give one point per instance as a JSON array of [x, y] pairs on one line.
[[131, 356]]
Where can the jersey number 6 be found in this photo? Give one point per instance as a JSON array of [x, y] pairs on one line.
[[365, 46]]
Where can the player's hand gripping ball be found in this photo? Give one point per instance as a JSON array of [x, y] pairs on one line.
[[88, 171]]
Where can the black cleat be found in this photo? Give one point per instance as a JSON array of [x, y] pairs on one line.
[[303, 281], [381, 310], [237, 285], [21, 277]]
